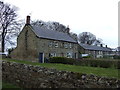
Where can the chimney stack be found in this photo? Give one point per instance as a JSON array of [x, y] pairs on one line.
[[101, 45], [106, 46], [68, 29], [28, 20]]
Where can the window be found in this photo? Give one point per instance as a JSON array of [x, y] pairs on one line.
[[69, 55], [56, 44], [70, 45], [100, 52], [52, 54], [50, 44], [65, 45], [61, 44]]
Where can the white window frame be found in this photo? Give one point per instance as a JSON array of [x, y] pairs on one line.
[[69, 55], [70, 45], [56, 44], [52, 54], [50, 44], [65, 45]]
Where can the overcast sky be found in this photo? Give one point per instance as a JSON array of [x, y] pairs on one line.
[[99, 17]]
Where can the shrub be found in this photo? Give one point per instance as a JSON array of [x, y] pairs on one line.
[[118, 65], [107, 57], [104, 63], [99, 63], [116, 57], [62, 60]]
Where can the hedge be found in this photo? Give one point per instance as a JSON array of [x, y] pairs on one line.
[[87, 62], [116, 57], [99, 63], [62, 60]]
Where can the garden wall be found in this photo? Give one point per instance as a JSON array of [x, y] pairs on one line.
[[28, 76]]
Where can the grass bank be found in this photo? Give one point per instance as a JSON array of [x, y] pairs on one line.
[[106, 72], [8, 85]]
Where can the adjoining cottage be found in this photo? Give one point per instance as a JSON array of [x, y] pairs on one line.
[[118, 50], [95, 51], [35, 43]]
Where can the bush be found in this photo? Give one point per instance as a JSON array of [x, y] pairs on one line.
[[118, 65], [62, 60], [116, 57], [99, 63], [104, 63], [107, 57]]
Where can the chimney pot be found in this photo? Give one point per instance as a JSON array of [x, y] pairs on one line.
[[68, 29], [106, 46], [28, 20], [101, 45]]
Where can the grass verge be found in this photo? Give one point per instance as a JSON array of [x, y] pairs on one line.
[[8, 85], [106, 72]]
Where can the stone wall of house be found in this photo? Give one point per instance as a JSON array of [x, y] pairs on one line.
[[48, 46], [28, 76], [26, 46]]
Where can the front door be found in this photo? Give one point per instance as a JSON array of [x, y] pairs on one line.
[[41, 57]]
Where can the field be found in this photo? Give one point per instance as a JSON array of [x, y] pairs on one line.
[[106, 72]]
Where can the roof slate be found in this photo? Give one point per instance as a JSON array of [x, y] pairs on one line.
[[51, 34], [97, 48]]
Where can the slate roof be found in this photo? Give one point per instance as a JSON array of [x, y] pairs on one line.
[[97, 48], [51, 34], [119, 49]]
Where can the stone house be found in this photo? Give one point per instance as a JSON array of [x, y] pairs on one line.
[[95, 51], [118, 50], [36, 44]]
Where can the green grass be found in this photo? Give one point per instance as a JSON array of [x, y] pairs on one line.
[[107, 72], [8, 85]]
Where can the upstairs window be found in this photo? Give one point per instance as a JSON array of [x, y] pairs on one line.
[[70, 45], [61, 44], [50, 44], [65, 45], [56, 44]]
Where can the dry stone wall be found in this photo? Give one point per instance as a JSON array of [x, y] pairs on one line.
[[28, 76]]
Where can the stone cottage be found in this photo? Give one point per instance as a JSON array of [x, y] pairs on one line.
[[95, 51], [35, 44]]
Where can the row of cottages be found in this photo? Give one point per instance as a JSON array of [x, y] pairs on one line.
[[35, 43], [95, 51], [118, 50]]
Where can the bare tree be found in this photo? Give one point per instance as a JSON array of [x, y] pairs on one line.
[[51, 25], [98, 42], [86, 38], [7, 22], [74, 36]]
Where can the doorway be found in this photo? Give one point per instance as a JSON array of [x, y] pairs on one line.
[[41, 57]]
